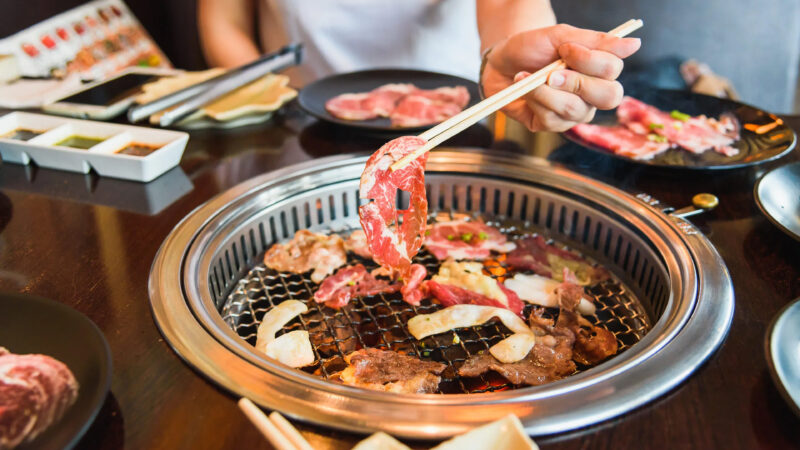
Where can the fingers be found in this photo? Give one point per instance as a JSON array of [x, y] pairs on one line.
[[596, 40], [533, 49], [596, 63], [600, 93], [555, 110]]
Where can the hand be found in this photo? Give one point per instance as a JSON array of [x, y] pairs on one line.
[[570, 96]]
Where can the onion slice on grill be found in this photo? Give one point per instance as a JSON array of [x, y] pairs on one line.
[[511, 349], [462, 316], [294, 348]]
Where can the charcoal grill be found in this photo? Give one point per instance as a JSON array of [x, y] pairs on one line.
[[669, 303]]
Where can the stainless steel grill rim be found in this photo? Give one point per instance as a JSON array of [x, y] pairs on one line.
[[694, 266]]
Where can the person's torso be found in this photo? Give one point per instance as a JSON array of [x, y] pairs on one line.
[[348, 35]]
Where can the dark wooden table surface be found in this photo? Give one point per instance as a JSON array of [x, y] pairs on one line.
[[88, 242]]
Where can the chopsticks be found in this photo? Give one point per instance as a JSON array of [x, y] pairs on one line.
[[280, 433], [472, 115]]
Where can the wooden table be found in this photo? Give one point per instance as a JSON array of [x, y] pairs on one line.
[[89, 242]]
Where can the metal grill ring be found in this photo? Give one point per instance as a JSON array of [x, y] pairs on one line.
[[670, 305]]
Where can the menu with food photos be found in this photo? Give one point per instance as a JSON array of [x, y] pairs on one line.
[[93, 41]]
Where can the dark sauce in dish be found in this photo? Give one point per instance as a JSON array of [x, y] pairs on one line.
[[136, 149], [22, 134], [81, 142]]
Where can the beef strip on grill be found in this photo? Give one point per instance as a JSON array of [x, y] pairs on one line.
[[390, 371], [350, 282]]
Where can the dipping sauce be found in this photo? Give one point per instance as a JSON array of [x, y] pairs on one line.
[[22, 134], [136, 149], [81, 142]]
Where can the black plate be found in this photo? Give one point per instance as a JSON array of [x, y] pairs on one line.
[[30, 324], [777, 195], [753, 148], [312, 98]]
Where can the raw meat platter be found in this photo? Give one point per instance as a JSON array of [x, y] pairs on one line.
[[682, 129], [421, 99]]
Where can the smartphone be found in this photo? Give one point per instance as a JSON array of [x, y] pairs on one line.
[[105, 99]]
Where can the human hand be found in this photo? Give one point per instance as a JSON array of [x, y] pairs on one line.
[[570, 96]]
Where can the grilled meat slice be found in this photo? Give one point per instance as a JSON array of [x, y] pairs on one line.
[[544, 364], [390, 371], [307, 251], [592, 343]]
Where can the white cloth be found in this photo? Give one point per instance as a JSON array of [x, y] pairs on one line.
[[348, 35]]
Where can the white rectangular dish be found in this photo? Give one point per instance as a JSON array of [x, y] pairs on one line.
[[82, 145]]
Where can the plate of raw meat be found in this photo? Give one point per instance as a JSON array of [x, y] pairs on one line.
[[388, 99], [55, 373], [685, 130]]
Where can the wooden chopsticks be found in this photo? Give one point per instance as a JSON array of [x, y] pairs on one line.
[[280, 433], [472, 115]]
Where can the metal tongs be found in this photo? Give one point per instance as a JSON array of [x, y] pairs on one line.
[[194, 97]]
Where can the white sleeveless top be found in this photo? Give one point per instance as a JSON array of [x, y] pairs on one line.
[[348, 35]]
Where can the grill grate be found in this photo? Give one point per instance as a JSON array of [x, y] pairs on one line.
[[380, 321]]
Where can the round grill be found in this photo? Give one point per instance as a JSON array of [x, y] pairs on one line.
[[669, 303], [380, 321]]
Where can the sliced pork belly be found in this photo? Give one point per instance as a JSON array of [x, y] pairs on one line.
[[307, 251], [465, 240], [621, 141], [696, 134], [391, 371], [349, 282], [417, 110]]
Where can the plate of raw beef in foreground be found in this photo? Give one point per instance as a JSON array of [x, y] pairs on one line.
[[55, 373], [682, 129], [388, 99]]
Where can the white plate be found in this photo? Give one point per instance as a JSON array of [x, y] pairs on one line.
[[103, 157], [783, 353]]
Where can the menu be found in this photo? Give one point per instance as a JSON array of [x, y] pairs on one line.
[[93, 41]]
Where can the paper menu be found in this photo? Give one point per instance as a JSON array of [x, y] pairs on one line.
[[92, 41]]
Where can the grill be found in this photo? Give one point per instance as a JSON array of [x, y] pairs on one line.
[[380, 321], [669, 303]]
